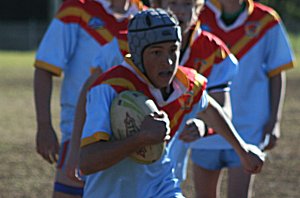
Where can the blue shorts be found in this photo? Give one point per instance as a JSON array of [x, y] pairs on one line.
[[215, 159]]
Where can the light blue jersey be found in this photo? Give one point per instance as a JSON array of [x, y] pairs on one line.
[[264, 54], [73, 43], [128, 178]]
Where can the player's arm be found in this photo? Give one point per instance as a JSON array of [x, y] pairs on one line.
[[46, 140], [72, 162], [195, 128], [223, 99], [277, 95], [104, 154], [98, 150], [214, 116]]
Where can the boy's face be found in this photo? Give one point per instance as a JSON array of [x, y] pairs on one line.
[[160, 62], [185, 10]]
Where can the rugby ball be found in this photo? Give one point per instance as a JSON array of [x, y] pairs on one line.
[[127, 112]]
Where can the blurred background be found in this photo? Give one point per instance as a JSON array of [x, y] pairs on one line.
[[22, 23]]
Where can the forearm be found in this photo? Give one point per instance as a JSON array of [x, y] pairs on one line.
[[42, 97], [79, 119], [277, 95], [215, 118], [223, 99], [102, 155]]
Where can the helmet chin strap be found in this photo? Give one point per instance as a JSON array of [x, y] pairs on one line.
[[167, 91]]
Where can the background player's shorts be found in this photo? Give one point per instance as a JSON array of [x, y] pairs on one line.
[[215, 159], [63, 154], [62, 184]]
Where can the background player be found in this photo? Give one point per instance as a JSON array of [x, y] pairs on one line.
[[79, 32], [256, 36]]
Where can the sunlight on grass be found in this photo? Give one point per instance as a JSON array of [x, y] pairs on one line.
[[295, 43], [16, 58]]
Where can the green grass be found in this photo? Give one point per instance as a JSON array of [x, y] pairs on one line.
[[24, 174]]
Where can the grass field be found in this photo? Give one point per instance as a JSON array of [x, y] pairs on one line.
[[24, 174]]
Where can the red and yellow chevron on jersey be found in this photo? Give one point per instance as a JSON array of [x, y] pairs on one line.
[[92, 17], [242, 38], [121, 79], [205, 51]]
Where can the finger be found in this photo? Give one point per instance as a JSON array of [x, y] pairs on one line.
[[188, 140], [189, 137], [157, 115], [79, 176], [71, 173], [257, 169], [185, 132], [75, 177], [272, 143], [54, 157], [46, 157], [184, 135], [253, 170], [190, 132], [167, 138]]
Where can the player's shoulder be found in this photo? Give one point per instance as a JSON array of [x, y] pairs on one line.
[[212, 39], [265, 11], [81, 4], [192, 76], [77, 2], [117, 73], [70, 3]]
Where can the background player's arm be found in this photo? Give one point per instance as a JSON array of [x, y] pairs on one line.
[[195, 128], [46, 140], [277, 95], [72, 162], [215, 117], [223, 99]]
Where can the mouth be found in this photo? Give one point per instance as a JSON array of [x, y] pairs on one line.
[[166, 74]]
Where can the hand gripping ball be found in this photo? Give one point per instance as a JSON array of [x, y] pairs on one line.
[[127, 112]]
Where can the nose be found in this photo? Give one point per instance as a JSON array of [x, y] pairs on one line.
[[169, 61]]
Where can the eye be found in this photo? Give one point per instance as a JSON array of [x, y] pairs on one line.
[[156, 52], [174, 49]]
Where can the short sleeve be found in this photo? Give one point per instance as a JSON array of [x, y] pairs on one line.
[[109, 56], [57, 46], [222, 74], [279, 54], [97, 123]]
